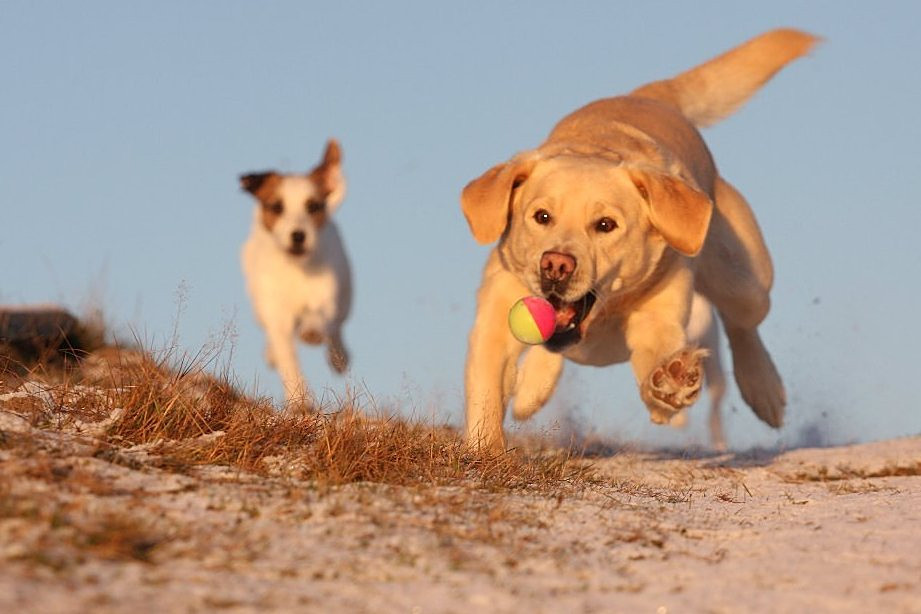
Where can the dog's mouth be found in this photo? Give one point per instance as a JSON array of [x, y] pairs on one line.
[[569, 319], [297, 250]]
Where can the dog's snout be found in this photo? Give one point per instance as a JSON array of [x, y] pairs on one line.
[[298, 237], [557, 266]]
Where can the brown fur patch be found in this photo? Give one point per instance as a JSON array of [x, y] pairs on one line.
[[270, 213], [264, 186], [326, 176]]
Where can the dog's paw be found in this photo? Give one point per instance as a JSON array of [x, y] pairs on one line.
[[759, 382], [311, 336], [673, 385], [300, 408], [535, 382], [338, 359]]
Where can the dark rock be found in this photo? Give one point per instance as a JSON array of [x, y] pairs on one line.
[[45, 325], [35, 334]]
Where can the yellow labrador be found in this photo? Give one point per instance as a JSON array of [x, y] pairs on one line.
[[618, 218]]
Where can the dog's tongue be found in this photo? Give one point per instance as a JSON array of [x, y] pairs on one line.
[[565, 314]]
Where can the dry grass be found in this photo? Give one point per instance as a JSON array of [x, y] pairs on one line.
[[164, 412], [182, 416]]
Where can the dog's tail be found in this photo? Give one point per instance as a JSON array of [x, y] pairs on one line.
[[714, 90]]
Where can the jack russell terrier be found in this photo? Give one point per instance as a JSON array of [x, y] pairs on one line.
[[296, 269]]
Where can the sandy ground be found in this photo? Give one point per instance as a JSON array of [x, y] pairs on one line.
[[809, 530]]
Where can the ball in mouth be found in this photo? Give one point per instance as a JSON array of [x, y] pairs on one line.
[[569, 317], [532, 320]]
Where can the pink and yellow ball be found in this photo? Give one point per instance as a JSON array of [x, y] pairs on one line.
[[532, 320]]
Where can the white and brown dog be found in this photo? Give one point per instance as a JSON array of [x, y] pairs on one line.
[[296, 269], [619, 218]]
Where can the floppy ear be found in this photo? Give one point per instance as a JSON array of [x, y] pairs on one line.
[[485, 201], [259, 184], [328, 174], [679, 212]]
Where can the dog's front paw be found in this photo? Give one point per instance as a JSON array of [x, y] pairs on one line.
[[673, 385], [298, 408]]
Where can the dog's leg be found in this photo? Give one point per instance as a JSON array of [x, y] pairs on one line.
[[537, 378], [269, 358], [491, 358], [704, 331], [336, 353], [715, 377], [284, 355], [668, 372], [757, 377], [735, 273], [716, 390]]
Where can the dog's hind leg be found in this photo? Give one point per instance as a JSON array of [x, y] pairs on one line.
[[538, 375], [716, 390], [735, 274], [704, 329]]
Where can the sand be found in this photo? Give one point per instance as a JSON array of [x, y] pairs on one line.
[[807, 530]]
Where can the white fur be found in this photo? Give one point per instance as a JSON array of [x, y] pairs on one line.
[[293, 295]]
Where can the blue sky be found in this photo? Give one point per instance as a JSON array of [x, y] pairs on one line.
[[124, 126]]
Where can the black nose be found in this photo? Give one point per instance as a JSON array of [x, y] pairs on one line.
[[298, 237]]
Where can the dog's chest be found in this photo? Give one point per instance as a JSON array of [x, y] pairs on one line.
[[281, 284], [603, 343]]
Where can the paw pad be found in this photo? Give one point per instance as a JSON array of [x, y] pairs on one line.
[[676, 382]]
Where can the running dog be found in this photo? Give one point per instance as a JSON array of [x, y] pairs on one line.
[[618, 218], [296, 269]]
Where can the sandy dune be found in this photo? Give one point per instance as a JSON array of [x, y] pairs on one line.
[[835, 529]]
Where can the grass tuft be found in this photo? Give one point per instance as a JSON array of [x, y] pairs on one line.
[[182, 416]]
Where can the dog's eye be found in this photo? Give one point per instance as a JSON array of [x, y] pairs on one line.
[[275, 207], [605, 224], [542, 217], [315, 206]]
